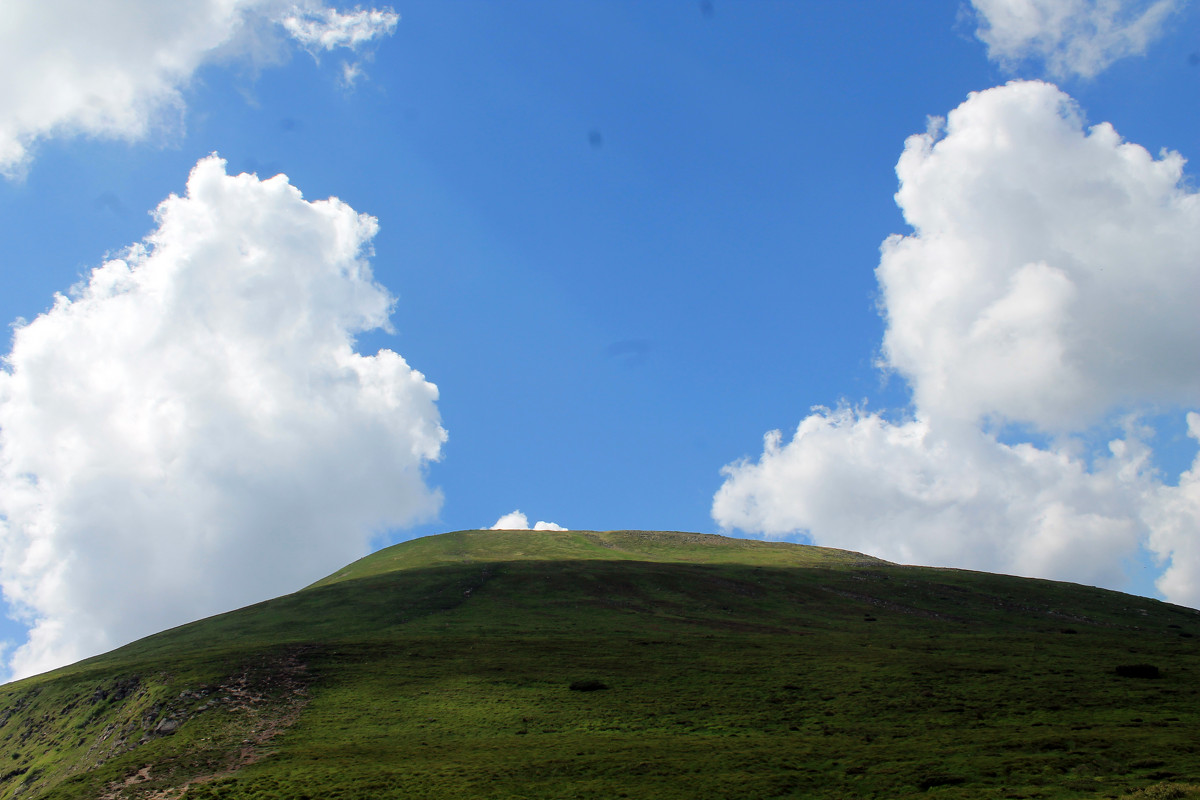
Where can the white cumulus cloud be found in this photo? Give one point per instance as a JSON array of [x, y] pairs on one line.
[[1052, 272], [516, 521], [912, 493], [191, 429], [1050, 281], [119, 69], [1070, 37]]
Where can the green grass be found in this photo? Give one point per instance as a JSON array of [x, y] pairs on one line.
[[441, 667]]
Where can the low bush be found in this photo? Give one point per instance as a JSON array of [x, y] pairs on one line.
[[930, 781], [1138, 671]]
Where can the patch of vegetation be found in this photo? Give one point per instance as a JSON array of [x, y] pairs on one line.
[[1167, 791], [443, 667]]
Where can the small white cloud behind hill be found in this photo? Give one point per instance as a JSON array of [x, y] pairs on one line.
[[516, 521]]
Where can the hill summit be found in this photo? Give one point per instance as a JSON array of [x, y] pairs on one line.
[[547, 664]]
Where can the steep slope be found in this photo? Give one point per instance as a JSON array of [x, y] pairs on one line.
[[443, 667]]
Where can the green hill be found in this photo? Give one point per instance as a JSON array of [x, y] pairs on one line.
[[501, 664]]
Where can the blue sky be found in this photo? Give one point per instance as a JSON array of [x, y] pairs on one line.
[[625, 241]]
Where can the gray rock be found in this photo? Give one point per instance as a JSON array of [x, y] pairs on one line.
[[168, 726]]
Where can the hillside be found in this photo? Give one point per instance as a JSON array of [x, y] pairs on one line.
[[496, 664]]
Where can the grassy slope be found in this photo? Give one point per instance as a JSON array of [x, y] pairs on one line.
[[440, 668]]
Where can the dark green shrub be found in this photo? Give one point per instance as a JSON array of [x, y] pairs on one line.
[[930, 781], [1138, 671]]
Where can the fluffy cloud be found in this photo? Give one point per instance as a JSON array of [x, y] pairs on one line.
[[1071, 37], [1052, 273], [118, 69], [192, 430], [516, 521], [1050, 282], [1173, 518]]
